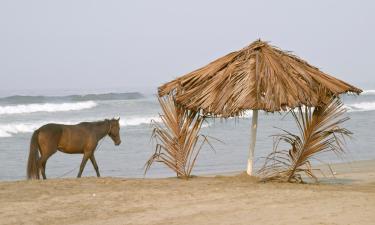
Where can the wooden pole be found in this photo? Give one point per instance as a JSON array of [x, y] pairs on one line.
[[253, 133], [254, 121]]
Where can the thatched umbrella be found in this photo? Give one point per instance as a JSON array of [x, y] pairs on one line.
[[257, 77]]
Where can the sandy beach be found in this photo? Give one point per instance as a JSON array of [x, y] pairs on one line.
[[229, 199]]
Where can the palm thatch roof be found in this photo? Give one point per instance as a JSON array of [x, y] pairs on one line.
[[259, 76]]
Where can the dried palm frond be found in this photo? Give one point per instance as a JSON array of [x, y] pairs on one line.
[[258, 77], [177, 137], [319, 131]]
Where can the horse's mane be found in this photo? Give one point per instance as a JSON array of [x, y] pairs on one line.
[[98, 122]]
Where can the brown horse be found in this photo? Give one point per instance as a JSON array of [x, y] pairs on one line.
[[81, 138]]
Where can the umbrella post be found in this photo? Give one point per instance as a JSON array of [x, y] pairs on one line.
[[253, 133]]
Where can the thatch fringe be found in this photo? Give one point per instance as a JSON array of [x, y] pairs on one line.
[[228, 86]]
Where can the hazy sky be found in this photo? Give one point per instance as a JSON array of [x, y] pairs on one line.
[[128, 45]]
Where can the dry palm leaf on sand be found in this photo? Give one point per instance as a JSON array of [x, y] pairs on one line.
[[177, 137], [319, 132]]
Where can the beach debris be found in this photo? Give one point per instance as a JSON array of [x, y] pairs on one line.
[[319, 132]]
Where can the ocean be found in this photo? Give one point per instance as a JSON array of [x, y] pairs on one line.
[[21, 115]]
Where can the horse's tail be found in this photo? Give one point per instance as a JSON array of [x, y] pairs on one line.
[[32, 164]]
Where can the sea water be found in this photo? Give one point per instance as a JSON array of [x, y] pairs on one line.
[[21, 115]]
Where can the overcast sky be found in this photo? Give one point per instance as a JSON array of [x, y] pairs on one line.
[[130, 45]]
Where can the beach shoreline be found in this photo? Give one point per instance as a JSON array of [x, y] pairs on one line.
[[230, 198]]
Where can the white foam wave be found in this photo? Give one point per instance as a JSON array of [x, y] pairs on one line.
[[368, 92], [361, 106], [7, 130], [10, 129], [46, 107], [4, 134], [135, 121]]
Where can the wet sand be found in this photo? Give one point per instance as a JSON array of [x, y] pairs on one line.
[[229, 199]]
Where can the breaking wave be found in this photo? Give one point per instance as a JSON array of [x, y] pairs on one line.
[[46, 107], [368, 92], [136, 121], [360, 107], [8, 130]]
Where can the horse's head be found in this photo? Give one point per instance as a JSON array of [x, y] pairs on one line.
[[114, 130]]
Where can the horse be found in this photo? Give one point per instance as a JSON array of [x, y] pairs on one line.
[[81, 138]]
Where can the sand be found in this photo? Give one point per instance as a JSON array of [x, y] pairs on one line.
[[238, 199]]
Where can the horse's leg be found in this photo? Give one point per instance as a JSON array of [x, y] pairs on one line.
[[46, 150], [83, 164], [41, 168], [42, 165], [93, 161], [88, 151], [43, 161]]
